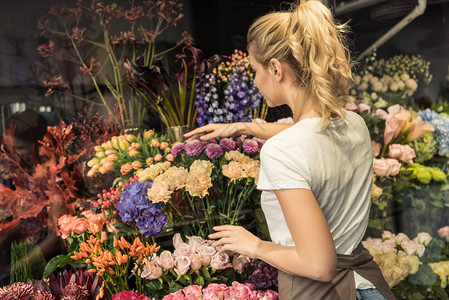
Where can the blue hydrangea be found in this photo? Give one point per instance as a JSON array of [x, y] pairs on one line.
[[134, 206], [441, 124]]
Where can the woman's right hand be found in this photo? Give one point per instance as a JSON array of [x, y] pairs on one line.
[[211, 131]]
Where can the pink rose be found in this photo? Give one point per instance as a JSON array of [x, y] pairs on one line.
[[193, 292], [239, 291], [376, 148], [178, 295], [206, 253], [350, 106], [410, 247], [196, 262], [183, 250], [216, 291], [400, 237], [404, 153], [386, 167], [443, 231], [239, 261], [195, 242], [177, 240], [80, 225], [220, 261], [182, 265], [387, 235], [394, 125], [155, 273], [166, 260], [96, 223], [65, 225], [423, 238], [363, 107]]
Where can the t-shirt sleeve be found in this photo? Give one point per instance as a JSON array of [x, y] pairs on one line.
[[282, 168]]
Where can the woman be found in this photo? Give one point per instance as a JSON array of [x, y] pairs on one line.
[[316, 176]]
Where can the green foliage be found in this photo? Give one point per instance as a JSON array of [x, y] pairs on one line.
[[56, 262], [27, 261], [426, 146]]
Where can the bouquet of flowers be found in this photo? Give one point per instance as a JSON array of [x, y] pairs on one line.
[[126, 154], [240, 291], [208, 182], [228, 93], [195, 262]]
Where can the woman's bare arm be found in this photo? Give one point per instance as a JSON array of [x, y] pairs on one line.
[[260, 130], [313, 256]]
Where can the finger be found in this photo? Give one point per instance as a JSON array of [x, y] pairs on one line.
[[193, 137], [223, 241], [219, 234], [193, 132], [224, 227]]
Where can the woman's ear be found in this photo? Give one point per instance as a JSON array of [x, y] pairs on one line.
[[276, 69]]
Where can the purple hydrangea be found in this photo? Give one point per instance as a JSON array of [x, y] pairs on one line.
[[229, 144], [250, 146], [194, 148], [263, 275], [214, 151], [176, 149], [134, 206]]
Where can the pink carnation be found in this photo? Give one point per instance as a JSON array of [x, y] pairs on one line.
[[178, 295], [214, 151], [229, 144], [250, 146]]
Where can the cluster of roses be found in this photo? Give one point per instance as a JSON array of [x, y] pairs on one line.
[[238, 291], [89, 221], [127, 153], [193, 255], [402, 126], [397, 255]]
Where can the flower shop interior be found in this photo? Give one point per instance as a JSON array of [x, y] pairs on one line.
[[101, 196]]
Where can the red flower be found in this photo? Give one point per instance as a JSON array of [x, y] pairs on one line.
[[78, 34], [92, 65], [55, 84]]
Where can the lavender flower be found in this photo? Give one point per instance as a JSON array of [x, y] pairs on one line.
[[176, 149], [229, 144], [250, 146], [134, 206], [214, 151], [194, 148]]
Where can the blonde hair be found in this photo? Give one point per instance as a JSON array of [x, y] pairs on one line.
[[312, 43]]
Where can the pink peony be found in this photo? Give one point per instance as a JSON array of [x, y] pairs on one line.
[[386, 167], [239, 291], [193, 292], [216, 291], [178, 295], [404, 153]]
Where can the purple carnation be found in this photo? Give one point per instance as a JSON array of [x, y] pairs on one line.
[[134, 206], [214, 151], [194, 148], [250, 146], [229, 144], [264, 275], [176, 149]]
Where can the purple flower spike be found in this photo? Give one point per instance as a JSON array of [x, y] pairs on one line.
[[250, 146], [214, 151], [177, 148], [229, 144], [194, 148]]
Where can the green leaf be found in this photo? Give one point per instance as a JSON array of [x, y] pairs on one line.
[[123, 227], [59, 261], [205, 273], [199, 281], [440, 293], [173, 287], [155, 285]]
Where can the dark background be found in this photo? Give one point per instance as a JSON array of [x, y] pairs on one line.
[[217, 26]]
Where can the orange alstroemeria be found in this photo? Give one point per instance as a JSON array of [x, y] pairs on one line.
[[115, 242], [103, 236]]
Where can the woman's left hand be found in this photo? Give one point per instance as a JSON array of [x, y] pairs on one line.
[[236, 239]]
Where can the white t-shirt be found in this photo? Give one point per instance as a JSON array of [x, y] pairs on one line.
[[335, 164]]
